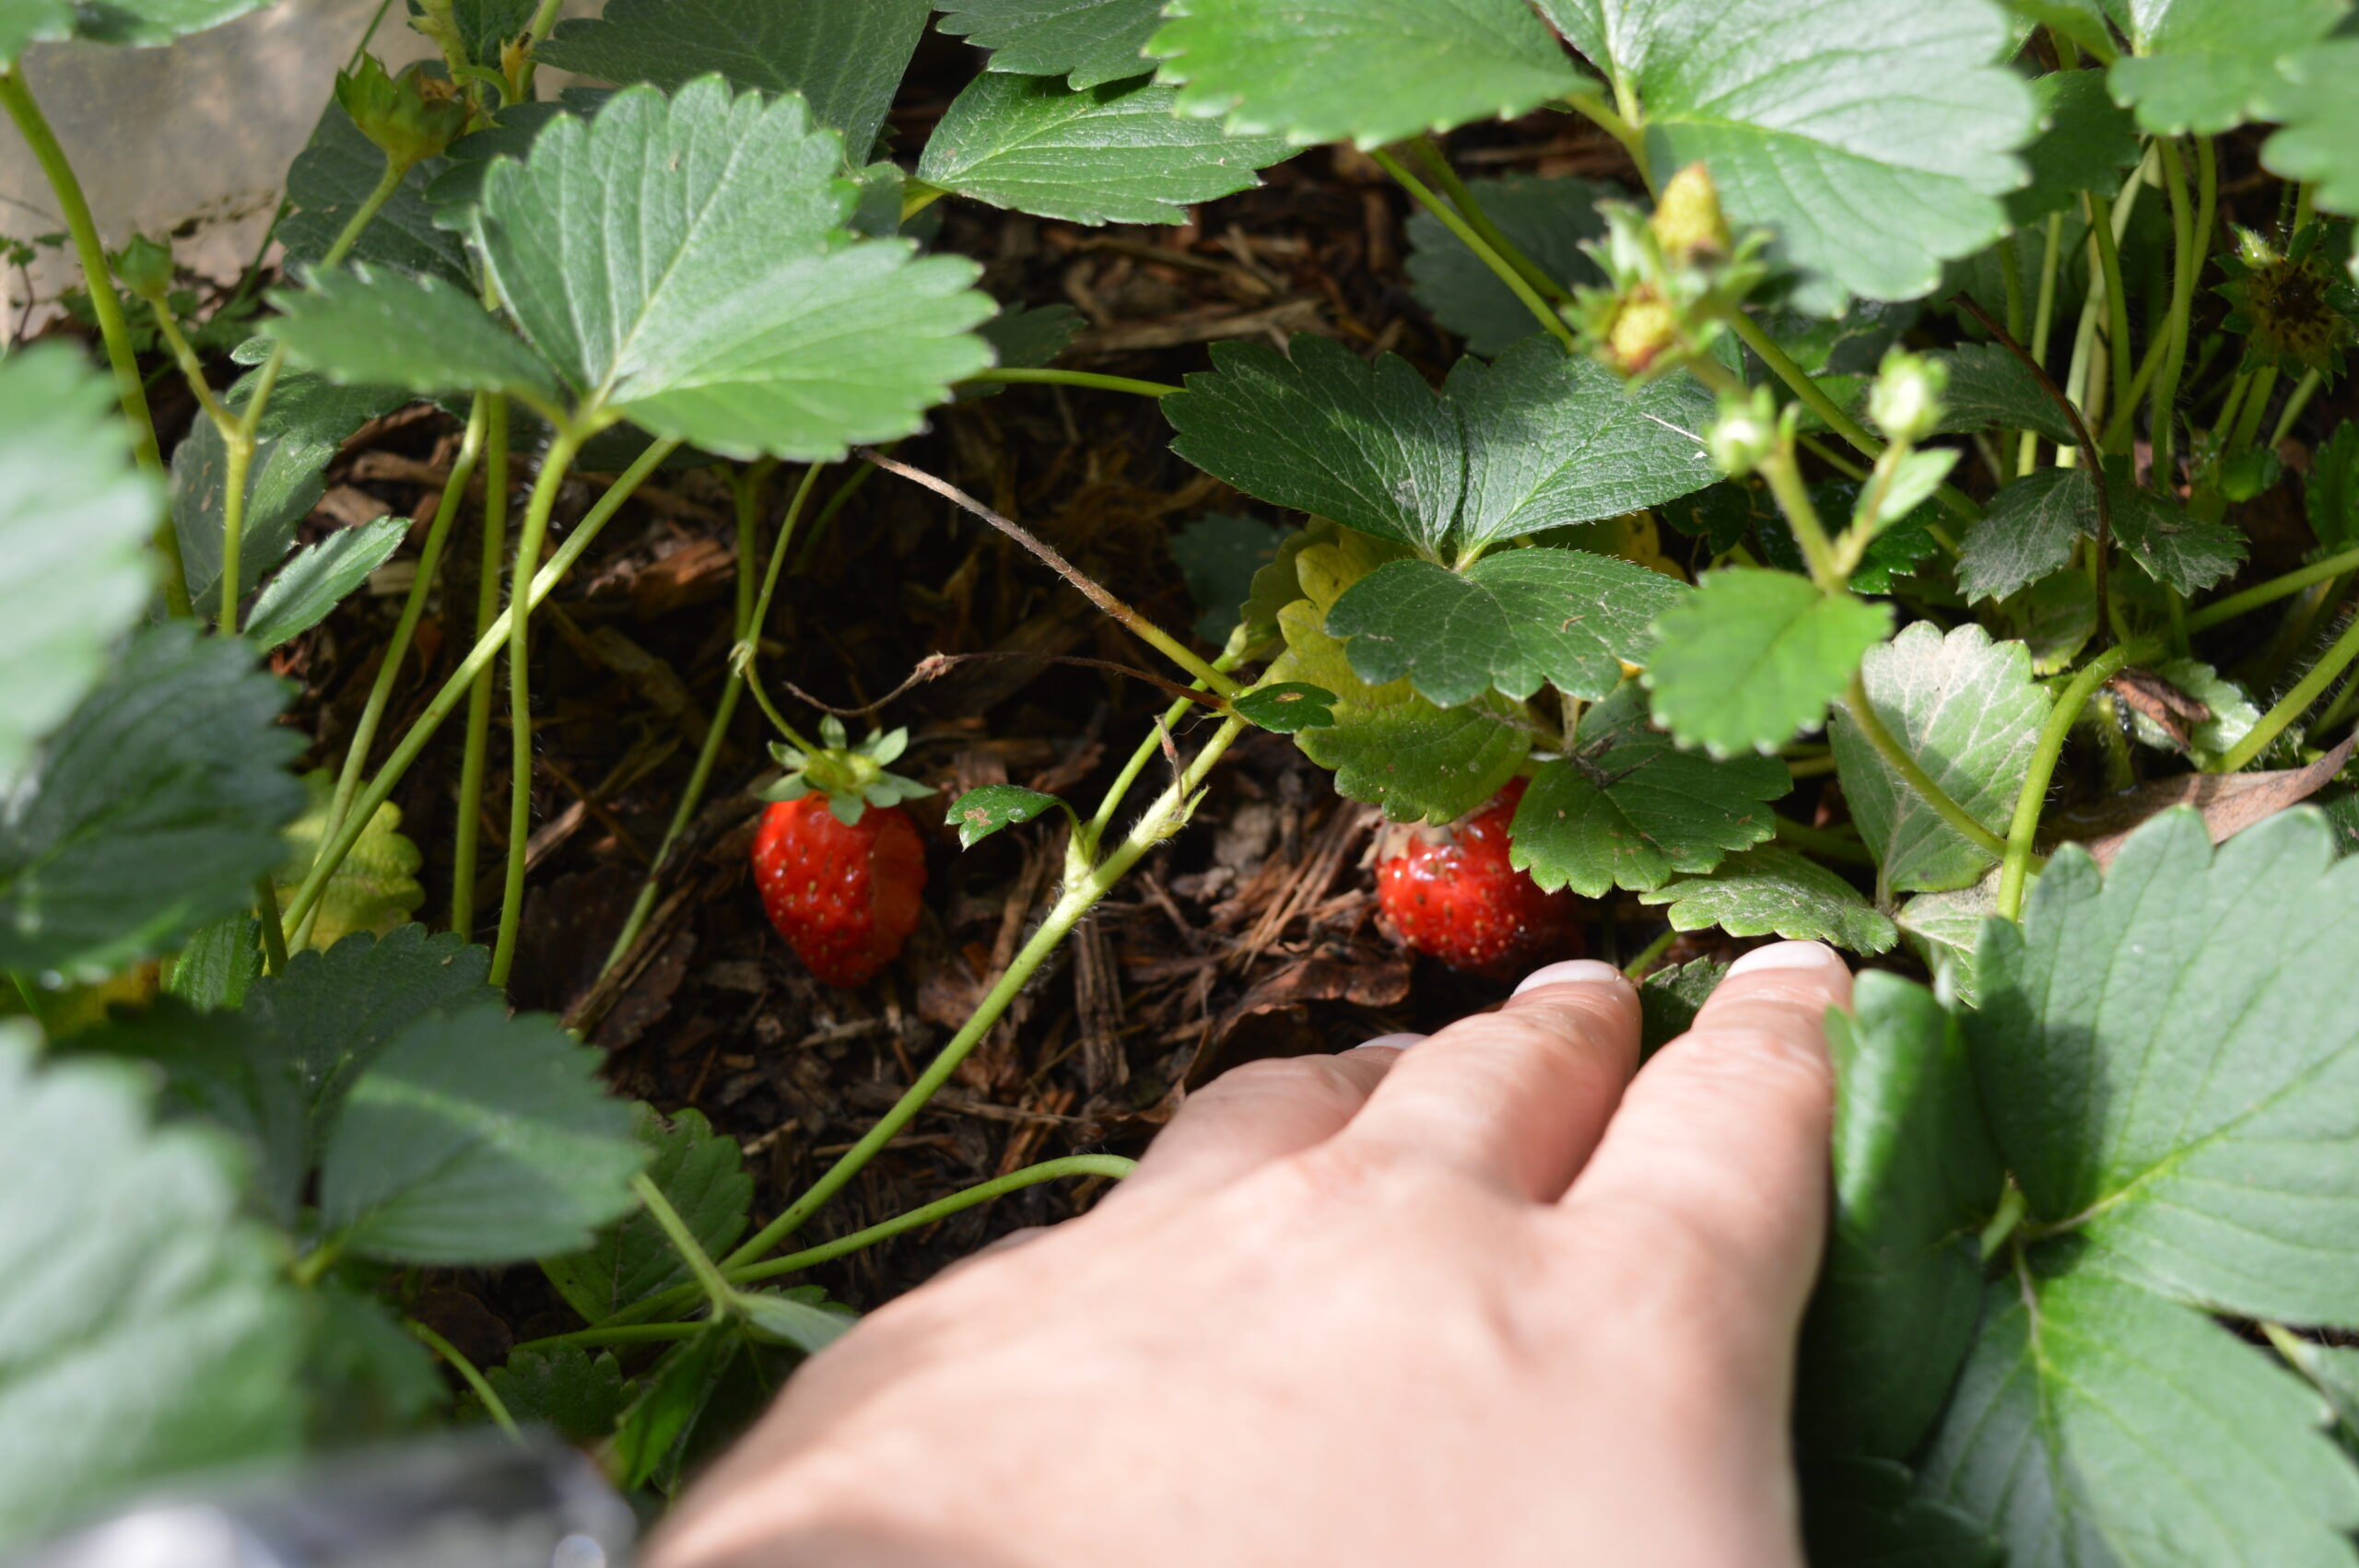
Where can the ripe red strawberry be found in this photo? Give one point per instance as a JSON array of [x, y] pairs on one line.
[[837, 860], [1451, 893]]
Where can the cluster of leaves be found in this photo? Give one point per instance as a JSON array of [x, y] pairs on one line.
[[2121, 1115]]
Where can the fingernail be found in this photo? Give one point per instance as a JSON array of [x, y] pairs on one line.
[[1390, 1042], [1571, 972], [1788, 955]]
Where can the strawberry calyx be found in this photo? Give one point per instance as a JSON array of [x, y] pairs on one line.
[[852, 778]]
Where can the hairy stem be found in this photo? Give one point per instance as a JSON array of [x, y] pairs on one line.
[[2185, 265], [492, 1404], [478, 736], [2023, 831], [2043, 321], [2297, 401], [106, 306], [1499, 265], [2294, 703], [2117, 302], [1901, 761], [683, 1242], [478, 659], [2269, 593], [1091, 379]]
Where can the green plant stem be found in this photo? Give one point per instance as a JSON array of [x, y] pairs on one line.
[[2184, 268], [1094, 831], [1162, 818], [1898, 758], [1022, 377], [1818, 841], [478, 659], [2307, 690], [2010, 277], [1815, 398], [2117, 431], [683, 1242], [818, 533], [478, 736], [1620, 124], [749, 617], [1638, 967], [2043, 321], [2010, 1213], [2264, 383], [2023, 829], [429, 559], [1786, 483], [1506, 274], [544, 19], [2269, 593], [1471, 209], [620, 1334], [2117, 302], [2298, 399], [554, 463], [106, 306], [274, 930], [493, 1405]]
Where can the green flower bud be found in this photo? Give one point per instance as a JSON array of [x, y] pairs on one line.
[[1905, 401], [412, 117], [1745, 433], [146, 267], [1687, 221]]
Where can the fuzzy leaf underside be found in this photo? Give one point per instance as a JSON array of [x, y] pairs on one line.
[[1373, 71], [1115, 153], [1629, 809], [1967, 708], [74, 517], [2317, 135], [845, 60], [1809, 117]]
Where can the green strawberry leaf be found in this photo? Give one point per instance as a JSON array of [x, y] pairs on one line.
[[2331, 497], [219, 963], [476, 1138], [1989, 388], [1629, 809], [1511, 622], [1219, 554], [1109, 154], [2318, 137], [326, 184], [789, 1317], [417, 331], [1548, 218], [1899, 543], [576, 1395], [1723, 514], [983, 810], [150, 812], [1774, 892], [1865, 1513], [319, 577], [1967, 709], [1754, 657], [1388, 746], [2095, 1423], [147, 23], [2025, 533], [1087, 41], [1915, 1180], [2206, 66], [2209, 981], [368, 1377], [2086, 141], [1031, 335], [484, 25], [734, 314], [75, 518], [1375, 71], [1946, 927], [151, 1331], [846, 61], [2333, 1371], [702, 1174], [38, 21], [2233, 713], [374, 890], [1670, 998], [1539, 440], [2176, 548], [1287, 707], [1809, 119]]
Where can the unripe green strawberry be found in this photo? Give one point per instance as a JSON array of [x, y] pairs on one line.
[[1451, 893], [411, 117], [845, 897]]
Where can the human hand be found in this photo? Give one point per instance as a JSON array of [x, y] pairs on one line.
[[1486, 1300]]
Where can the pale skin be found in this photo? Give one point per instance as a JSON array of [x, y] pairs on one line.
[[1480, 1298]]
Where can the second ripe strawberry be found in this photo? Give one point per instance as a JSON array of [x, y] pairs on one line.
[[1451, 893]]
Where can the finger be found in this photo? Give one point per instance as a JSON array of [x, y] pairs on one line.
[[1519, 1096], [1259, 1112], [1720, 1141]]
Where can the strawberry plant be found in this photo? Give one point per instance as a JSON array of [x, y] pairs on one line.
[[1904, 498]]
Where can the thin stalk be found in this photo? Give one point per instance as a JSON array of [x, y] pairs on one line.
[[2269, 593], [1471, 209], [544, 18], [380, 691], [2043, 321], [1648, 955], [683, 1242], [1169, 810], [2296, 703], [479, 737], [2185, 265], [2117, 302], [1473, 242], [105, 305], [492, 1403], [2232, 404], [2264, 383], [1619, 122], [1898, 758], [1786, 483], [1094, 831], [273, 931], [2024, 830], [478, 659], [750, 616], [2304, 390], [619, 1334], [2011, 277], [1091, 379], [843, 493], [1818, 841], [554, 463], [2117, 430]]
